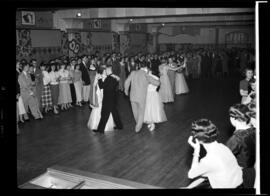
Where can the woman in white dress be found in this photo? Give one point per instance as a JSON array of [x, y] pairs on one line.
[[96, 111], [181, 86], [154, 108]]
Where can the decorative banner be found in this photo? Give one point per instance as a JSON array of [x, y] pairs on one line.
[[116, 42], [150, 39], [23, 49], [124, 43], [64, 42]]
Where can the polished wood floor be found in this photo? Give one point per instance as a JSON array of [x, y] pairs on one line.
[[161, 158]]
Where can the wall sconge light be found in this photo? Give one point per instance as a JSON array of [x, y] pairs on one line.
[[163, 24], [78, 14], [131, 20]]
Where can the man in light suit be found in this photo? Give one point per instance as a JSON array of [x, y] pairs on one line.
[[139, 81]]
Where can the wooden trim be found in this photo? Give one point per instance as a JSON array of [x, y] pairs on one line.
[[162, 16]]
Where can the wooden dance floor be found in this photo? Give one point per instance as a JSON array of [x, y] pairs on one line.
[[161, 158]]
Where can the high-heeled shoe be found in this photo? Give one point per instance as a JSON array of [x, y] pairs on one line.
[[55, 111], [152, 128]]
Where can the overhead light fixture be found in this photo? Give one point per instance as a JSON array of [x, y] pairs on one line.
[[79, 14], [163, 24], [131, 20]]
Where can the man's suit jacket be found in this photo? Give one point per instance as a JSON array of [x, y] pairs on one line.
[[85, 74], [25, 85], [38, 77], [116, 67], [109, 86], [139, 81]]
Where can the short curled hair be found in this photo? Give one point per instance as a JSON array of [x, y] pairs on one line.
[[204, 130], [252, 110], [252, 81], [101, 69], [240, 112]]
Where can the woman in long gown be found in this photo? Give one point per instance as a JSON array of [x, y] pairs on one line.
[[154, 108], [181, 86], [96, 111], [165, 91]]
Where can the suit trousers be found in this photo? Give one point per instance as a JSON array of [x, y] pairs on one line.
[[32, 103], [138, 110], [105, 114], [39, 89], [86, 92]]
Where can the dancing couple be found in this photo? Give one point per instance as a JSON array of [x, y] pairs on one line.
[[146, 103], [104, 116]]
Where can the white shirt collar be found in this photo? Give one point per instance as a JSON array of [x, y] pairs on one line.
[[144, 69]]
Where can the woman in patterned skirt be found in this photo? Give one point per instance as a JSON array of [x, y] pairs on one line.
[[46, 97]]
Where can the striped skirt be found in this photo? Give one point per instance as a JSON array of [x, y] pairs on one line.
[[55, 93], [46, 97]]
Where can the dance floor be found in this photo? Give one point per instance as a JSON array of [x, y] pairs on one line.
[[160, 158]]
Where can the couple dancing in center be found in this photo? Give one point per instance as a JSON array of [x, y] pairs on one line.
[[146, 104], [104, 116]]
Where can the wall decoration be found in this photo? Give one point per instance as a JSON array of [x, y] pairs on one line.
[[97, 25], [34, 20], [23, 49], [28, 18], [74, 46], [236, 37]]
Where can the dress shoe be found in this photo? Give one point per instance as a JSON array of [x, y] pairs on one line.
[[152, 127], [96, 131], [137, 129]]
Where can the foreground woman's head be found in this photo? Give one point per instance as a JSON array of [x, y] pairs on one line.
[[204, 130], [239, 114]]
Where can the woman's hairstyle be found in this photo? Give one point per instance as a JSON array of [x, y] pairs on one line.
[[252, 81], [24, 64], [240, 112], [50, 67], [76, 65], [246, 70], [204, 130], [252, 110], [101, 69]]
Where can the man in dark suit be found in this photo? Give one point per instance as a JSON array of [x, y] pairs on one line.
[[38, 81], [115, 65], [109, 102], [85, 79]]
